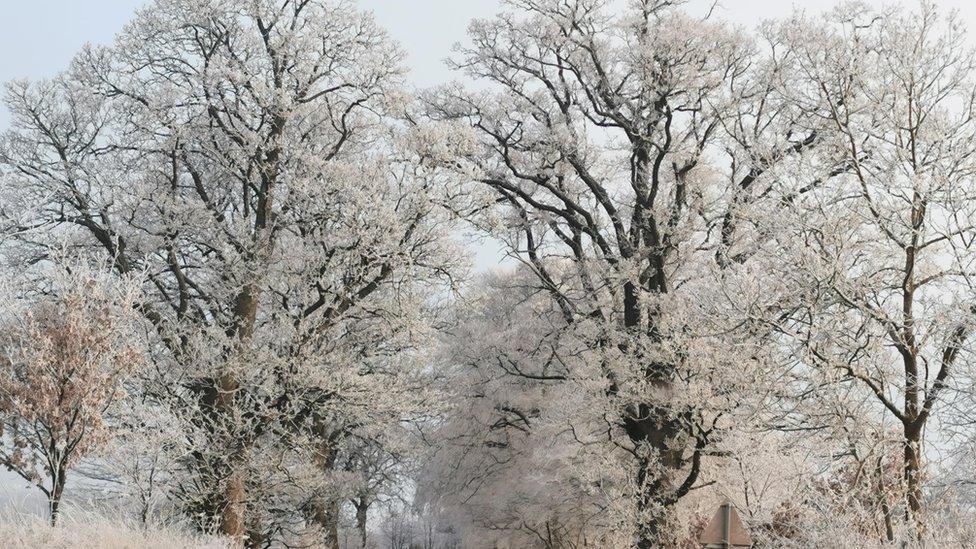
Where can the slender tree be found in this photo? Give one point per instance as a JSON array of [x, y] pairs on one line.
[[880, 255]]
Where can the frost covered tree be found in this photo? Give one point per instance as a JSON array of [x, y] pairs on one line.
[[619, 142], [724, 240], [63, 358], [379, 471], [877, 258], [247, 160], [137, 470], [504, 464]]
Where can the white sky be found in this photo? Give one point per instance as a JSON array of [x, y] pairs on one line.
[[40, 36]]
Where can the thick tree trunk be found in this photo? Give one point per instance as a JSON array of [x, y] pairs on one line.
[[233, 521], [655, 481], [913, 481], [233, 514], [654, 425], [327, 517], [232, 517], [326, 513], [332, 533]]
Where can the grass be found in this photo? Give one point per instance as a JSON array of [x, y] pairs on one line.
[[92, 531]]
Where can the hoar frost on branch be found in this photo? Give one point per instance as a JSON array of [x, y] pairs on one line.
[[744, 271], [252, 161], [876, 260], [620, 142]]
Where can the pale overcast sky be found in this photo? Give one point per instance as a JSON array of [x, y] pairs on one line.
[[41, 36]]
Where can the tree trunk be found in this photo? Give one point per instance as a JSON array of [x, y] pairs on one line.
[[654, 501], [232, 516], [362, 506], [655, 426], [913, 481], [332, 533], [54, 498], [326, 514], [327, 517]]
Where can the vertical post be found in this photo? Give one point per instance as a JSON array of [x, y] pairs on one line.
[[727, 525]]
